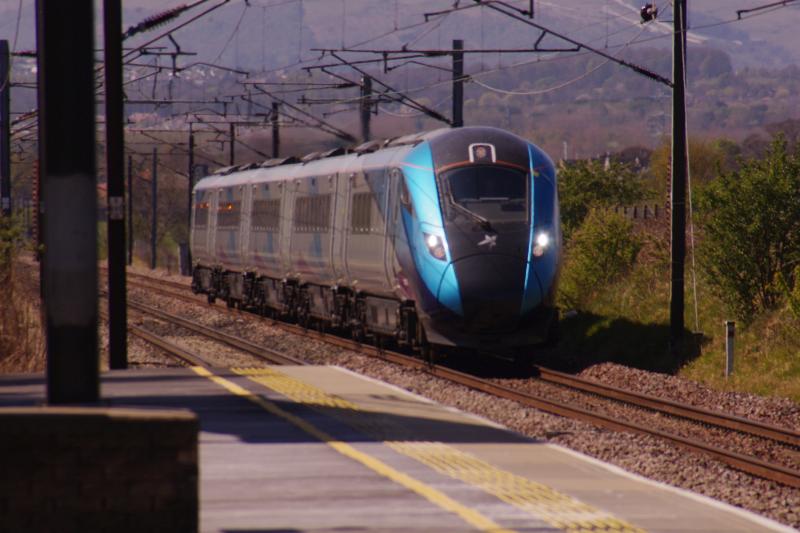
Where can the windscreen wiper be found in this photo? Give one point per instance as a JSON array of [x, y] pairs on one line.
[[482, 222]]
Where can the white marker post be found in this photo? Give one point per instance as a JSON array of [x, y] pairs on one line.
[[730, 331]]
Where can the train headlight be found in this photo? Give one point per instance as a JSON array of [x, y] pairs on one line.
[[541, 244], [435, 246]]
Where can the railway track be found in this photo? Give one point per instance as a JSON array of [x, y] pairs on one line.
[[172, 350], [746, 463], [261, 353]]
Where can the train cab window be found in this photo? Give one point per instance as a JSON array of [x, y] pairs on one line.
[[496, 193]]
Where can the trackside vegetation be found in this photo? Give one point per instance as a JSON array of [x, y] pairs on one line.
[[746, 267], [21, 341], [751, 229]]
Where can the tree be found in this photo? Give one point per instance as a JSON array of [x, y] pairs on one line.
[[584, 185], [751, 229], [706, 159], [603, 248]]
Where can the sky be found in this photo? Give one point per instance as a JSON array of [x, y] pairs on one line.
[[17, 17]]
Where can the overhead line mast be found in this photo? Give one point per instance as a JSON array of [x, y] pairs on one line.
[[680, 170], [115, 179]]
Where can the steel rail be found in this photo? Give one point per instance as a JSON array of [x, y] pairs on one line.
[[739, 461], [173, 350], [690, 412], [265, 354]]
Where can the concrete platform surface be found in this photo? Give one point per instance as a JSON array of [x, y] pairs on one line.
[[290, 449]]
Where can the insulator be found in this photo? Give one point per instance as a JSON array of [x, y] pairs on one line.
[[648, 12], [154, 20]]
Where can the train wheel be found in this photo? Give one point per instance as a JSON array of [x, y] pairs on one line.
[[426, 350]]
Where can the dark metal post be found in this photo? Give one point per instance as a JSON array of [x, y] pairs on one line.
[[679, 172], [37, 216], [130, 210], [276, 134], [232, 127], [730, 333], [458, 83], [5, 130], [189, 195], [115, 152], [154, 210], [366, 106], [65, 34]]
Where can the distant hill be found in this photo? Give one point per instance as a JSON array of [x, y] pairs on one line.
[[742, 76]]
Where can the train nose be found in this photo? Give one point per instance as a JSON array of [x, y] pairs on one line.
[[492, 288]]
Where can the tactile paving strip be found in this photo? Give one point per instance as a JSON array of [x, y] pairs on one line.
[[556, 509]]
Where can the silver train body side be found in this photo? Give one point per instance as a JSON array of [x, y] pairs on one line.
[[449, 237]]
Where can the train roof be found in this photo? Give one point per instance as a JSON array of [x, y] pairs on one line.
[[368, 155], [371, 154]]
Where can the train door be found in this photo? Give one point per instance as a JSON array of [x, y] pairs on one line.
[[198, 238], [366, 227], [245, 225], [286, 190], [229, 217], [213, 210], [265, 227], [341, 188], [393, 226], [311, 234]]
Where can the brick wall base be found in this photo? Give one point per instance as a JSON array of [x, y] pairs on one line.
[[95, 469]]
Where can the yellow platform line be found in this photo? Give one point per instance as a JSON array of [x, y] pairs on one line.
[[556, 509], [471, 516]]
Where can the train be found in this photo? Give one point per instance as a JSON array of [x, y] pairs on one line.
[[433, 240]]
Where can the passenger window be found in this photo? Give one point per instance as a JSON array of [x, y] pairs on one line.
[[361, 213]]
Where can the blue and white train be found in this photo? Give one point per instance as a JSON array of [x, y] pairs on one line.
[[444, 238]]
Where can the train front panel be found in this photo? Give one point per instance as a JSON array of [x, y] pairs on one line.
[[480, 210]]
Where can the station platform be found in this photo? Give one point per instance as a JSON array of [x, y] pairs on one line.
[[321, 449]]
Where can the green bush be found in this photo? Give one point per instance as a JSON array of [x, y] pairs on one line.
[[602, 249], [11, 242], [751, 230], [585, 185]]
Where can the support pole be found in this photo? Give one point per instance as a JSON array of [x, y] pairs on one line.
[[154, 210], [366, 107], [458, 83], [190, 185], [276, 133], [679, 173], [5, 130], [130, 210], [36, 216], [65, 35], [232, 127], [115, 174]]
